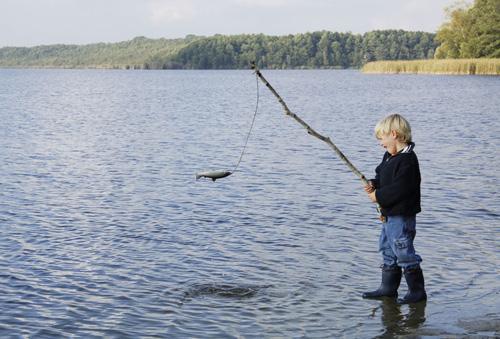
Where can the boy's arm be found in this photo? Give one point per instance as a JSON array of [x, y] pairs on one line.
[[404, 184], [376, 181], [373, 184]]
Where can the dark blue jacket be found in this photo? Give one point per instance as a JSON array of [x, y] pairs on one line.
[[397, 183]]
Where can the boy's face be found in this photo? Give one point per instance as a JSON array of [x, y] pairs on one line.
[[390, 142]]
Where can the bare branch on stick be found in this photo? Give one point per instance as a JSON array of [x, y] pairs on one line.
[[310, 130]]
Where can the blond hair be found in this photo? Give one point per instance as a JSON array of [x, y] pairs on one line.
[[394, 122]]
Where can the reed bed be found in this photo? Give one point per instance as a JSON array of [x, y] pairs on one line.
[[436, 66]]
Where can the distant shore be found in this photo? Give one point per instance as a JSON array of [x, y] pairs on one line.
[[320, 49], [436, 66]]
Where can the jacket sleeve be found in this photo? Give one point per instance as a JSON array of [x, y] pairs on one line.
[[376, 181], [403, 185]]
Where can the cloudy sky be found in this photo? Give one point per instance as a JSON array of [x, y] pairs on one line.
[[35, 22]]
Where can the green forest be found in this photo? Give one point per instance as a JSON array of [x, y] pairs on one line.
[[134, 53], [470, 31], [309, 50]]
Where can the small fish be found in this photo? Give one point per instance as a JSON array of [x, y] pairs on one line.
[[214, 175]]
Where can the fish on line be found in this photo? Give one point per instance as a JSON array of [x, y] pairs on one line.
[[214, 175]]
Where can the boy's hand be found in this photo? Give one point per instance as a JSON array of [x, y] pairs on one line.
[[372, 196], [369, 188]]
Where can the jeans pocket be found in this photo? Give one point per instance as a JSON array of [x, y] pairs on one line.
[[401, 243]]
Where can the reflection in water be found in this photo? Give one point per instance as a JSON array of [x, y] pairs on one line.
[[395, 322]]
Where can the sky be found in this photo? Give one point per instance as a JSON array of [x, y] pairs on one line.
[[43, 22]]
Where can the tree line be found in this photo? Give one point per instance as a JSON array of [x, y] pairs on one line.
[[322, 49], [127, 54], [471, 31], [310, 50]]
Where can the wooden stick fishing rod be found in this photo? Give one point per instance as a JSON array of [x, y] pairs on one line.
[[310, 130]]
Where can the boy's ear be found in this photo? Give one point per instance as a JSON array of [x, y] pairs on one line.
[[394, 134]]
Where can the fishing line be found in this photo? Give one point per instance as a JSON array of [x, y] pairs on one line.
[[214, 175], [251, 125], [312, 132]]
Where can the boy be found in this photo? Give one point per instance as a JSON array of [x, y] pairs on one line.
[[396, 188]]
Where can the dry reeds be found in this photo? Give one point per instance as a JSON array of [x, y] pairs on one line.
[[436, 66]]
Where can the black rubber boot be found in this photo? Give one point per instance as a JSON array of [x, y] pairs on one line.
[[416, 287], [391, 278]]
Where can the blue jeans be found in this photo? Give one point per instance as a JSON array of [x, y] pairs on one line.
[[396, 242]]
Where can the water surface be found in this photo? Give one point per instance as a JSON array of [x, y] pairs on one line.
[[105, 232]]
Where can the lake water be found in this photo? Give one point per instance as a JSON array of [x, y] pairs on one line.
[[106, 233]]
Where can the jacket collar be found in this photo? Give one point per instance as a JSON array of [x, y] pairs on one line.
[[407, 149]]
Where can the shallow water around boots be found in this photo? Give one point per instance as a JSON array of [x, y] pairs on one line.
[[106, 232]]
